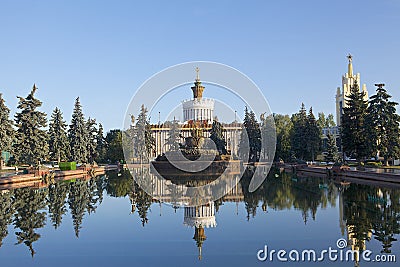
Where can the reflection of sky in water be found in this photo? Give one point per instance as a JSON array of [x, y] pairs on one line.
[[113, 237]]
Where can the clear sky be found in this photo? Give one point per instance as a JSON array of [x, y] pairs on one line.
[[103, 51]]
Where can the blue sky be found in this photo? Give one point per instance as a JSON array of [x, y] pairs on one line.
[[102, 51]]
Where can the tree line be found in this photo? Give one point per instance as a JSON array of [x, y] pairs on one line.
[[32, 139]]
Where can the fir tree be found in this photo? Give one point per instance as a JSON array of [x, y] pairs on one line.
[[101, 144], [299, 137], [6, 130], [313, 135], [173, 136], [143, 141], [332, 150], [31, 143], [250, 138], [91, 140], [77, 135], [114, 151], [217, 136], [382, 124], [353, 128], [58, 140]]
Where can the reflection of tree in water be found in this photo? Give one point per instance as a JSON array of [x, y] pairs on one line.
[[283, 191], [118, 186], [56, 203], [77, 202], [28, 216], [6, 213]]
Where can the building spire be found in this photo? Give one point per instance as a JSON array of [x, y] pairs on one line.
[[197, 74], [197, 88], [350, 67]]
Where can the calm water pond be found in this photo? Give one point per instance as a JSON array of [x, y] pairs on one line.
[[109, 221]]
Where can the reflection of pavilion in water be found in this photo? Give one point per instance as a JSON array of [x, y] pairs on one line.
[[198, 217]]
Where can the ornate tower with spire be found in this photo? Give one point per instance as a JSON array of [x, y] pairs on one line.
[[348, 80], [198, 108]]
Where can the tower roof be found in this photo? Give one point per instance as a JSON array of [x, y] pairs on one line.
[[350, 66], [197, 88]]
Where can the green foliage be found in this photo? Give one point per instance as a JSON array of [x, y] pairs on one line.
[[6, 129], [284, 131], [143, 141], [91, 140], [58, 140], [114, 151], [101, 144], [306, 138], [173, 136], [325, 121], [250, 138], [31, 143], [313, 135], [217, 136], [332, 150], [382, 125], [353, 127], [268, 137], [78, 135]]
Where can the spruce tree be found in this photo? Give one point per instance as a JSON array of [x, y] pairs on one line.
[[143, 141], [299, 137], [332, 150], [382, 125], [284, 131], [313, 135], [250, 138], [101, 144], [6, 130], [91, 140], [58, 140], [77, 135], [31, 142], [173, 136], [353, 128]]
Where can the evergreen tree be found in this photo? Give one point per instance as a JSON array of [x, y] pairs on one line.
[[173, 136], [91, 140], [217, 136], [29, 215], [332, 150], [299, 137], [77, 135], [382, 124], [330, 121], [101, 144], [353, 128], [31, 144], [313, 134], [143, 141], [268, 134], [250, 138], [6, 130], [58, 140]]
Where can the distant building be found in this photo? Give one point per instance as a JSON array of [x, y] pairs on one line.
[[348, 80], [198, 112]]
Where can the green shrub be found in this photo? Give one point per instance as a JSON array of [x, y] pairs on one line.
[[67, 166]]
